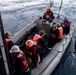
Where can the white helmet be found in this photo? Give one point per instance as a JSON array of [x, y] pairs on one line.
[[14, 48]]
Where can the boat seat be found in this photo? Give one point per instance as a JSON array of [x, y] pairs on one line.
[[44, 63], [58, 20]]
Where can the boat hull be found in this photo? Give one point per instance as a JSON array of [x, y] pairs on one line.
[[50, 62]]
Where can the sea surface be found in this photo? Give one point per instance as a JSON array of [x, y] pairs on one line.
[[18, 13]]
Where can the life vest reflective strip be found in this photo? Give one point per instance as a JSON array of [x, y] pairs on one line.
[[24, 61], [7, 42], [60, 32]]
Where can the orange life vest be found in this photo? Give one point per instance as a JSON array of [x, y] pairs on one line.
[[60, 32], [36, 38]]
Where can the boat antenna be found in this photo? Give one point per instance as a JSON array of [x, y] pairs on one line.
[[60, 8], [51, 3]]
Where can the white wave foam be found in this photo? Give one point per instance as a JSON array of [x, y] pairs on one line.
[[10, 5]]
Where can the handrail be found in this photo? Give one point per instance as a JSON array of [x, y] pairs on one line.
[[60, 15]]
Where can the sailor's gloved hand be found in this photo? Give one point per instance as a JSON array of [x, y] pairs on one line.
[[49, 49]]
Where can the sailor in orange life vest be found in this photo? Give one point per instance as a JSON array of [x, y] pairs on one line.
[[57, 34], [20, 63], [32, 53], [38, 38], [60, 32], [9, 43], [48, 15]]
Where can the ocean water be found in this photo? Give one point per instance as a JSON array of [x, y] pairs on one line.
[[18, 13]]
